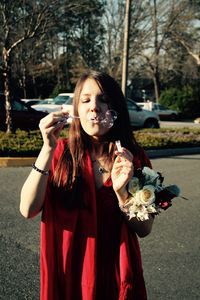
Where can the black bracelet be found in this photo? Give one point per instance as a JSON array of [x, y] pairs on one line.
[[43, 172]]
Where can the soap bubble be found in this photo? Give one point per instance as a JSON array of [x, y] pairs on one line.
[[106, 120], [110, 117]]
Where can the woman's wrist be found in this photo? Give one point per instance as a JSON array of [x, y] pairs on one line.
[[122, 196], [43, 161], [43, 172], [47, 149]]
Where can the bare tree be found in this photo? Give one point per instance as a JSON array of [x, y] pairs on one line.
[[157, 19], [114, 25], [21, 20], [162, 16], [186, 30]]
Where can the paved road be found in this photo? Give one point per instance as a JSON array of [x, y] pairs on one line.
[[171, 254], [179, 124]]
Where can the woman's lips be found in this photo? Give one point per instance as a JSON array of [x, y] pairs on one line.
[[95, 119]]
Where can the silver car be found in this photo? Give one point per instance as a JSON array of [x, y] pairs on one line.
[[142, 118], [163, 112]]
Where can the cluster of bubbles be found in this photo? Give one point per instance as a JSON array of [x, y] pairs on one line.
[[106, 120]]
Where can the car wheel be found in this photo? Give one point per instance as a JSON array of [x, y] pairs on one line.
[[151, 123]]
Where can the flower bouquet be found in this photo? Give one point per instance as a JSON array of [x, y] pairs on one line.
[[148, 195]]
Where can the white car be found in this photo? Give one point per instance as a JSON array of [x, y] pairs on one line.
[[55, 104], [31, 102], [197, 121], [139, 118]]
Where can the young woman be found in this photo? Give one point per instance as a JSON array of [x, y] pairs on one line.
[[89, 248]]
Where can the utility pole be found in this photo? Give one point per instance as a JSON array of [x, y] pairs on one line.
[[126, 47]]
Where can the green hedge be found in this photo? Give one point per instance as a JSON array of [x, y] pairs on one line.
[[21, 143], [168, 138], [24, 143]]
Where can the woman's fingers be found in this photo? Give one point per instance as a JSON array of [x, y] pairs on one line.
[[53, 119], [123, 166], [50, 127], [124, 153], [124, 157]]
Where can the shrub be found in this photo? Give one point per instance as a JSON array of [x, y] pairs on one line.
[[185, 100], [168, 138], [22, 143]]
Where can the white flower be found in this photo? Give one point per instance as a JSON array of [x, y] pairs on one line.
[[133, 207], [142, 213], [151, 177], [151, 209], [146, 196], [149, 172], [133, 185], [132, 214], [131, 201]]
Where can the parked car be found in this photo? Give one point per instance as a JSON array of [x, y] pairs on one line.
[[139, 118], [23, 116], [197, 121], [163, 112], [55, 104], [31, 102]]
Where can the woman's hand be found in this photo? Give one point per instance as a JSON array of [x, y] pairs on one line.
[[50, 127], [121, 173]]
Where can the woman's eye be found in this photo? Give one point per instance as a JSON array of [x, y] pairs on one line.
[[85, 100]]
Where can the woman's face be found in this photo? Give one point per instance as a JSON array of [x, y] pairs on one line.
[[92, 108]]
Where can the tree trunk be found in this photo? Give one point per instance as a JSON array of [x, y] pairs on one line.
[[156, 81], [126, 48], [156, 75], [6, 78], [24, 83]]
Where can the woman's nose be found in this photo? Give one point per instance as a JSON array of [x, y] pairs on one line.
[[94, 106], [94, 109]]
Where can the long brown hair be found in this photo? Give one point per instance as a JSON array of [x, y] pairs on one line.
[[72, 160]]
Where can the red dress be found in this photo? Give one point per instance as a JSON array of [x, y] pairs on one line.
[[89, 253]]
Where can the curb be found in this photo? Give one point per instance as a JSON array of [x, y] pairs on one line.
[[27, 161], [172, 152], [16, 161]]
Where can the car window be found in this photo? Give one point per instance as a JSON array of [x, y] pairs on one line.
[[68, 101], [62, 100], [18, 106], [131, 105], [47, 101], [161, 107], [155, 107]]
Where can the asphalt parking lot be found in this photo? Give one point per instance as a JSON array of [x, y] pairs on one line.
[[170, 253]]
